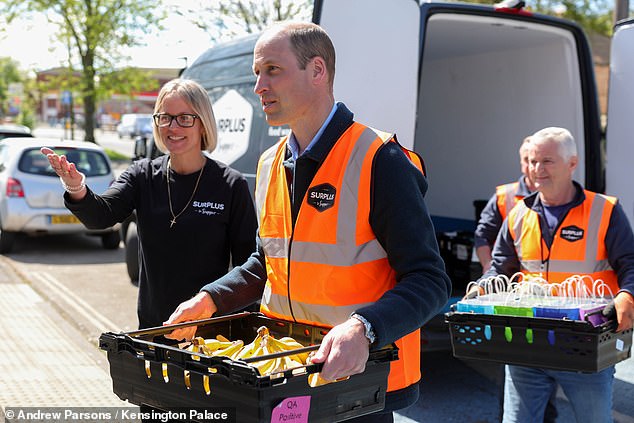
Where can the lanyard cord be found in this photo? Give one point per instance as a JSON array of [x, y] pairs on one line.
[[546, 261]]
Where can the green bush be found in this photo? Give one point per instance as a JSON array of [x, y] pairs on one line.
[[26, 118]]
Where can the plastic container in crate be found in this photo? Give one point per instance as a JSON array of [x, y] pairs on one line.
[[174, 379], [560, 344]]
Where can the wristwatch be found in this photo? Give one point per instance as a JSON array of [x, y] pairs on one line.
[[369, 331]]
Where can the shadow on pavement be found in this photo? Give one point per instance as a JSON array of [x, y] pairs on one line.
[[63, 249]]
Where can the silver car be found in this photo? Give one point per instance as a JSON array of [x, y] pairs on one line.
[[135, 124], [31, 193], [13, 130]]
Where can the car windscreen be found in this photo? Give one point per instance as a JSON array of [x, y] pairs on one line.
[[88, 162]]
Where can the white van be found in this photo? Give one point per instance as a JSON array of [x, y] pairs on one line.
[[461, 84]]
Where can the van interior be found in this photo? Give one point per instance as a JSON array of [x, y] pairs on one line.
[[487, 83]]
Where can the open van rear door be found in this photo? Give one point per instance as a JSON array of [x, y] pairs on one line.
[[620, 133], [364, 48]]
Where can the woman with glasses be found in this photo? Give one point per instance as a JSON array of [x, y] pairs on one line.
[[195, 216]]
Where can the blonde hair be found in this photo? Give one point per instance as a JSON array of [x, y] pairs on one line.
[[192, 93]]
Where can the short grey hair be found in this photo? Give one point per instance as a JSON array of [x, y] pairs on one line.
[[561, 136], [525, 144]]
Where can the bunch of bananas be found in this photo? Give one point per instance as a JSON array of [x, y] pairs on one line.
[[263, 344], [220, 346]]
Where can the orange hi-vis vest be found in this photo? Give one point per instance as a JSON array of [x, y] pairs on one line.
[[578, 246], [507, 197], [331, 264]]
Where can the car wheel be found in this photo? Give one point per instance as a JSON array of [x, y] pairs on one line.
[[132, 253], [140, 148], [6, 241], [111, 240], [124, 227], [154, 150]]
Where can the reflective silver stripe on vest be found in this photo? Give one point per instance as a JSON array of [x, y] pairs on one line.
[[592, 233], [509, 198], [345, 252], [273, 247], [532, 266], [567, 266], [517, 229], [589, 264], [264, 176], [326, 314], [276, 303]]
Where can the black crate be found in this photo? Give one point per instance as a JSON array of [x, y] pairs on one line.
[[221, 383], [538, 342], [456, 249]]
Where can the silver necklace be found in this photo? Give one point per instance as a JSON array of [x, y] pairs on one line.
[[169, 194]]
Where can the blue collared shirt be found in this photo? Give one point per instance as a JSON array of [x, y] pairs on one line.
[[292, 142]]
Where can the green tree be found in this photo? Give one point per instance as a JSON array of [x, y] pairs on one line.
[[9, 73], [594, 16], [224, 20], [30, 101], [95, 31]]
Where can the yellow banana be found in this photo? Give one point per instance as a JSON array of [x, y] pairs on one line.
[[287, 340], [288, 344], [315, 379], [289, 363], [249, 350], [260, 365], [195, 346], [264, 343], [196, 343], [230, 350], [266, 367], [269, 366], [212, 345], [207, 346]]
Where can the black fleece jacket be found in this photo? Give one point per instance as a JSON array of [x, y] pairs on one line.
[[216, 228]]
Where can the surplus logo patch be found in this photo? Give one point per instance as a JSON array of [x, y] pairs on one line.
[[322, 197], [572, 233]]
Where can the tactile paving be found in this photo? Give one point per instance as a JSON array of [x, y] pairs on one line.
[[41, 365]]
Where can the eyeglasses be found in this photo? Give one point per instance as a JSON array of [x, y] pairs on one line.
[[185, 120]]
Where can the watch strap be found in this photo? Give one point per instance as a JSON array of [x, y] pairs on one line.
[[369, 331]]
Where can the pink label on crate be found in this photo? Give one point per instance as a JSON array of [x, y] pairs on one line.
[[292, 409]]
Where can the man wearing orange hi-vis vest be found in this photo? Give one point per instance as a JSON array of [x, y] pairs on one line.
[[345, 240], [498, 207], [560, 231]]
